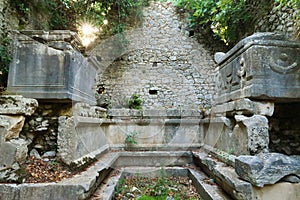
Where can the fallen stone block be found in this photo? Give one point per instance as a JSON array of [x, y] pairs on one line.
[[266, 168], [13, 126]]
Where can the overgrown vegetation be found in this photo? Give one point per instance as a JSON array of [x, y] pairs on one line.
[[229, 20], [68, 14], [5, 58], [159, 188]]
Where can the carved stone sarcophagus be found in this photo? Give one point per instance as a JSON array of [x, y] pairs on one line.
[[49, 66], [263, 66]]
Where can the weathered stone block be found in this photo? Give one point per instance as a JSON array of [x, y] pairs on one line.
[[79, 138], [45, 66], [15, 151], [257, 131], [17, 105], [245, 107], [218, 133], [86, 110], [13, 125], [262, 66], [266, 168]]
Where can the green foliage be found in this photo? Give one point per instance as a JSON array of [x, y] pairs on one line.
[[130, 138], [68, 14], [224, 17], [293, 4], [22, 9], [135, 102], [5, 58], [62, 15], [21, 6]]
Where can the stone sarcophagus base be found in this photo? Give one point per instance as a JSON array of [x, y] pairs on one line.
[[80, 139], [262, 66], [49, 66]]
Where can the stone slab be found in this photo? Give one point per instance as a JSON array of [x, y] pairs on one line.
[[13, 125], [224, 176], [256, 128], [245, 106], [15, 151]]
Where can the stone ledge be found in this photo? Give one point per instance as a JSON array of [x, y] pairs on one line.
[[17, 105], [154, 113], [245, 107], [228, 179]]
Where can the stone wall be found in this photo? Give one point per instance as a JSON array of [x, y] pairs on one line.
[[163, 63], [10, 19], [285, 129], [13, 111], [279, 20], [42, 127]]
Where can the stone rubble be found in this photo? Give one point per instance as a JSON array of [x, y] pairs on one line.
[[13, 110]]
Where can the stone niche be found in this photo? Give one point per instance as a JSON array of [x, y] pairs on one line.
[[49, 66], [262, 66]]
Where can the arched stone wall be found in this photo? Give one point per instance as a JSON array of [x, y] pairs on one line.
[[163, 63]]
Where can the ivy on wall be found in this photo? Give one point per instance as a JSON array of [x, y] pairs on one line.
[[229, 20], [293, 4]]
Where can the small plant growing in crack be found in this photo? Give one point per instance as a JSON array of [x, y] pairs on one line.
[[130, 140], [135, 102]]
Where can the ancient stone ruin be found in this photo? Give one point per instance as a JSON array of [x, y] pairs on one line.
[[230, 125]]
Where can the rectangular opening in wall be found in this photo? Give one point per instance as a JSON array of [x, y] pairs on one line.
[[154, 64], [284, 130], [153, 92]]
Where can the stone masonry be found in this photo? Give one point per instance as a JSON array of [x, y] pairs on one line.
[[162, 63]]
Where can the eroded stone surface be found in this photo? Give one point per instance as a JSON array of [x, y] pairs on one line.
[[257, 132], [246, 106], [79, 138], [17, 105], [86, 110], [14, 151], [40, 69], [266, 168], [256, 65], [13, 125]]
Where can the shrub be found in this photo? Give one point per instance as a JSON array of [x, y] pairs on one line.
[[135, 102]]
